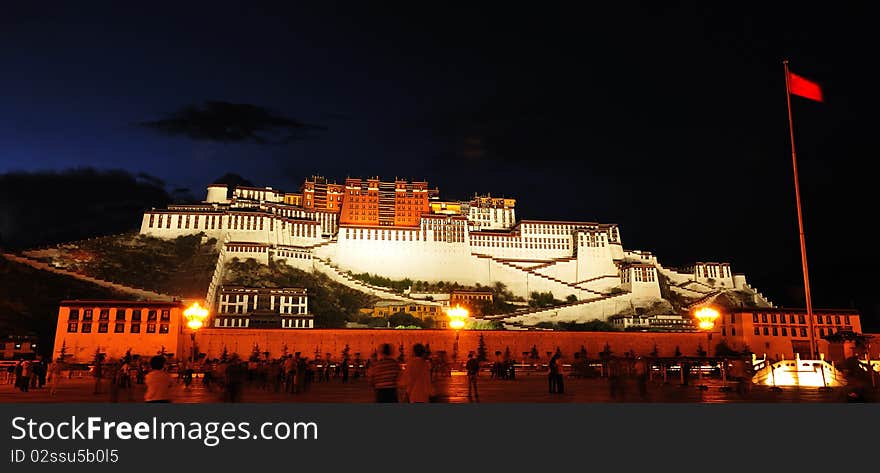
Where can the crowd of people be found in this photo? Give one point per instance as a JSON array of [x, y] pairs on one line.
[[420, 377]]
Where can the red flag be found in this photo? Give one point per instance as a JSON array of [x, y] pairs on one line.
[[805, 88]]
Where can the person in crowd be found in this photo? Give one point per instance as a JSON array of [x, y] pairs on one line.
[[98, 373], [22, 375], [158, 382], [473, 372], [236, 374], [553, 374], [10, 374], [384, 375], [290, 374], [640, 370], [417, 377], [616, 373], [54, 376]]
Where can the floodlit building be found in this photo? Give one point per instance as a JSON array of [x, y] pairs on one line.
[[113, 328], [400, 229], [275, 307]]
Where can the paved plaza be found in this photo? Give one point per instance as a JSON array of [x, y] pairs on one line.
[[526, 388]]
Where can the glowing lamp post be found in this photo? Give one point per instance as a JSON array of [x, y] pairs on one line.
[[457, 316], [706, 317], [195, 318]]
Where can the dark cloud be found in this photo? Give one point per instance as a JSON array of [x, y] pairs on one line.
[[232, 123]]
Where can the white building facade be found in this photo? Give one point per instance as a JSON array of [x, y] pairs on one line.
[[483, 245]]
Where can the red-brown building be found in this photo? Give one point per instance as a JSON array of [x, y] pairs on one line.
[[318, 194], [115, 327], [372, 202], [472, 300], [782, 332]]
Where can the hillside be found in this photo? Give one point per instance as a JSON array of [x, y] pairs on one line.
[[180, 267], [29, 300], [332, 303]]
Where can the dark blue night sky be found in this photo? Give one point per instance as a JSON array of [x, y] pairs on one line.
[[666, 120]]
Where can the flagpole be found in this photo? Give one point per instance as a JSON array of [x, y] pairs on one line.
[[797, 193]]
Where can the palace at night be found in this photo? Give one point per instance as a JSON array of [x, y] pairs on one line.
[[403, 229]]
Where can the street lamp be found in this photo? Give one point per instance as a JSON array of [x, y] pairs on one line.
[[457, 316], [706, 317], [195, 318]]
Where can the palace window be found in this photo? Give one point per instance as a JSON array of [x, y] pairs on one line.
[[732, 331], [828, 319], [151, 328], [791, 318], [74, 314], [87, 314], [166, 315], [803, 332], [102, 327], [755, 318], [846, 320], [801, 319], [837, 320], [775, 332], [71, 327], [766, 331], [120, 314], [151, 220], [87, 327], [136, 315], [733, 318], [764, 318], [151, 316], [773, 318], [163, 328], [135, 328], [784, 331], [104, 314], [757, 331], [119, 328]]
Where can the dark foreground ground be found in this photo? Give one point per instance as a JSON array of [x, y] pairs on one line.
[[527, 388]]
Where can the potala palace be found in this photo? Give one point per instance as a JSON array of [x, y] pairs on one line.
[[402, 229]]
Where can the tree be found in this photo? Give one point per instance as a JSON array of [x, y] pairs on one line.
[[255, 353], [583, 352], [400, 357], [543, 299], [63, 352], [606, 351], [402, 319], [345, 353], [224, 356], [700, 350], [99, 357], [481, 349], [534, 353], [571, 298], [722, 349], [677, 351]]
